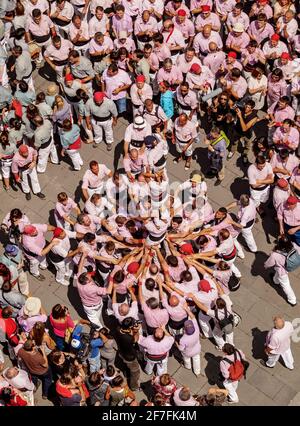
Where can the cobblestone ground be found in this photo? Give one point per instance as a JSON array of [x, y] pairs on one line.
[[257, 300]]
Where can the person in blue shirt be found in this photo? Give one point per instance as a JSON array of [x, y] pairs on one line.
[[94, 356], [166, 102]]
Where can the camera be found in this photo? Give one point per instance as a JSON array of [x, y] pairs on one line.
[[137, 323]]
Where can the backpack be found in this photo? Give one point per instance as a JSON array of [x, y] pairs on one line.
[[292, 260], [238, 367], [222, 136], [227, 323]]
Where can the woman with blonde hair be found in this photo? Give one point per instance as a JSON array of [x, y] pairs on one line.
[[41, 337], [61, 111]]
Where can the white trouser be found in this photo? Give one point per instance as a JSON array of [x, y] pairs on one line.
[[161, 366], [29, 81], [75, 158], [231, 386], [94, 314], [64, 269], [103, 126], [284, 282], [1, 357], [35, 263], [234, 269], [239, 249], [260, 197], [23, 283], [6, 168], [98, 190], [44, 155], [192, 362], [61, 223], [181, 146], [34, 181], [248, 237], [88, 132], [219, 337], [287, 357], [204, 324]]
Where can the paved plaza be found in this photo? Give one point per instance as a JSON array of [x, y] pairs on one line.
[[257, 300]]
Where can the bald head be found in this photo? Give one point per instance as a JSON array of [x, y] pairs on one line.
[[159, 334], [153, 269], [278, 322], [173, 301]]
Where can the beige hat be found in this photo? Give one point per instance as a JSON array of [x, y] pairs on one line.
[[122, 34], [238, 27], [196, 178], [52, 89], [139, 122], [32, 306]]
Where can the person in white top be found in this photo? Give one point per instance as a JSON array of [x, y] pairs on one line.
[[261, 176], [278, 343]]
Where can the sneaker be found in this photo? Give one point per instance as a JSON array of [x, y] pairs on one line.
[[41, 195], [217, 182], [230, 155], [264, 364], [28, 196], [241, 255], [292, 304], [109, 147], [64, 282], [39, 277], [95, 145], [229, 401]]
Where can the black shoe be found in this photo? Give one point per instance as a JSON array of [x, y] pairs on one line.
[[217, 182], [28, 196], [41, 195], [292, 304], [210, 174], [109, 147]]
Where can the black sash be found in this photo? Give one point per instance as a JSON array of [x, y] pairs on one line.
[[153, 238], [96, 118], [160, 162], [40, 39], [45, 144], [136, 143], [260, 189], [60, 63], [55, 258], [60, 22], [248, 224]]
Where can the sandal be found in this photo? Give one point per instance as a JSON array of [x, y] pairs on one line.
[[187, 165]]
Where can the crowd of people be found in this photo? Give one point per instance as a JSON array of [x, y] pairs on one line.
[[152, 263]]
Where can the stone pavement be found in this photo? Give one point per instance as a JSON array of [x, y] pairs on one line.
[[257, 300]]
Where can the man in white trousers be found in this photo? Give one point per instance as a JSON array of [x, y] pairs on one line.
[[261, 176], [232, 354], [101, 115], [24, 166], [246, 215], [278, 343], [189, 344], [91, 296], [44, 143], [157, 347]]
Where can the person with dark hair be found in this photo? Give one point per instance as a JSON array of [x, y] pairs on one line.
[[232, 355], [79, 34], [115, 83], [44, 143], [118, 393], [71, 143], [246, 119], [39, 28], [94, 179], [286, 136], [7, 151], [10, 397], [288, 215], [97, 388], [57, 53], [283, 163], [261, 176], [234, 84], [126, 337], [61, 14], [277, 86]]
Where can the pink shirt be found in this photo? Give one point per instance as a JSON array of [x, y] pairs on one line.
[[177, 313], [259, 34], [84, 29], [276, 90], [97, 26], [295, 178], [133, 311], [132, 7], [246, 214], [155, 317], [18, 161], [276, 260], [214, 60], [289, 216], [239, 87], [289, 164], [41, 29], [138, 96], [185, 66], [240, 42], [112, 83], [175, 272], [186, 28], [129, 44], [172, 76], [135, 166], [90, 294], [59, 54], [279, 196], [225, 366], [169, 7], [201, 43], [290, 139], [223, 278], [37, 243], [174, 39], [255, 174], [124, 24], [95, 47], [189, 345], [62, 210], [207, 298], [281, 114], [189, 100], [211, 245], [59, 328], [153, 61], [141, 26], [162, 52], [153, 347], [212, 20], [94, 181], [185, 133], [224, 6], [279, 340], [242, 18]]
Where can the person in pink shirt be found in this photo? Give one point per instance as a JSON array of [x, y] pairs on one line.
[[200, 79], [286, 136], [196, 6], [288, 215], [145, 27], [100, 46], [79, 33], [124, 41], [237, 39], [261, 176], [154, 315], [281, 110], [237, 16], [133, 8], [274, 48], [134, 164], [189, 344], [186, 60], [187, 102], [206, 17], [214, 58], [281, 193], [185, 133], [260, 29], [235, 84], [121, 21], [231, 354], [284, 163], [286, 65], [185, 26], [252, 57], [115, 83], [34, 247], [295, 181], [99, 23], [87, 223], [277, 260], [224, 7], [174, 304], [173, 6], [139, 92], [278, 343], [261, 6], [39, 28], [204, 38], [161, 49], [151, 58], [170, 73], [229, 63], [157, 347], [94, 179], [63, 209], [173, 38]]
